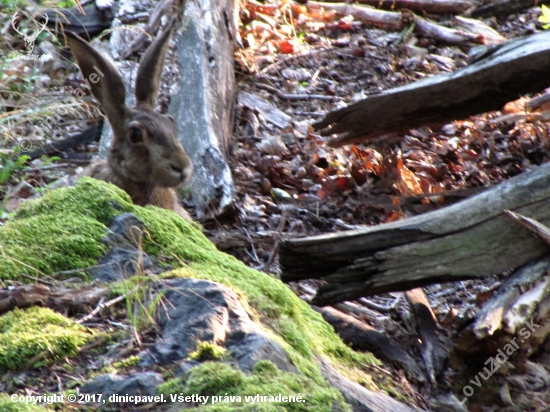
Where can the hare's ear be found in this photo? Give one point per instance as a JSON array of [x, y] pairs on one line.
[[150, 68], [103, 78]]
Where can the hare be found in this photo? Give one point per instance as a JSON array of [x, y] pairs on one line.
[[145, 158]]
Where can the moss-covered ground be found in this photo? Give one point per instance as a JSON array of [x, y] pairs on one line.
[[63, 229]]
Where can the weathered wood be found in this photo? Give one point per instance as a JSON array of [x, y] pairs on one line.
[[492, 327], [507, 71], [469, 239], [204, 99]]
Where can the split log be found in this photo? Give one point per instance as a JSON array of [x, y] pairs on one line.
[[469, 239], [202, 95], [509, 70]]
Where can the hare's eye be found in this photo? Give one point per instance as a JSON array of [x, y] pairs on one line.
[[135, 135]]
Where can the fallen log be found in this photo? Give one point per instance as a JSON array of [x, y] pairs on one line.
[[490, 317], [503, 74], [470, 239]]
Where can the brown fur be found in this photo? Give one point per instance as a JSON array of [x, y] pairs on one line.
[[145, 158]]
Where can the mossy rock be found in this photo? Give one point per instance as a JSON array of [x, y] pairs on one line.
[[63, 231], [261, 391], [37, 332], [9, 405]]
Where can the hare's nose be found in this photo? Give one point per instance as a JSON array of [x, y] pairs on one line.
[[181, 171], [177, 169]]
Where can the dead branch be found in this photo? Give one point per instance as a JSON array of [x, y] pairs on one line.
[[507, 71], [395, 21], [61, 300]]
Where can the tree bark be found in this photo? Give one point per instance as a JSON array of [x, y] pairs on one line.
[[502, 74], [469, 239]]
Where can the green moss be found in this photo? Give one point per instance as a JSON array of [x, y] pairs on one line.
[[127, 363], [85, 210], [25, 334], [222, 380], [208, 351], [61, 231], [7, 405]]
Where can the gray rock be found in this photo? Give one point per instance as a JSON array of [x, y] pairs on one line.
[[255, 347], [184, 367], [143, 383], [123, 263], [124, 259], [201, 310]]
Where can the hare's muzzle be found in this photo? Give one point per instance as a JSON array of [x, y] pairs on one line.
[[183, 173], [178, 170]]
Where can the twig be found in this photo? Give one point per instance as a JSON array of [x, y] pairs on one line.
[[35, 358], [308, 114], [537, 228], [284, 96], [100, 307], [164, 7], [277, 241], [375, 306], [83, 270], [94, 344], [253, 255], [49, 167], [40, 280]]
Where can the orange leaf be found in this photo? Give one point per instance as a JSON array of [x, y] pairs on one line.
[[285, 46]]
